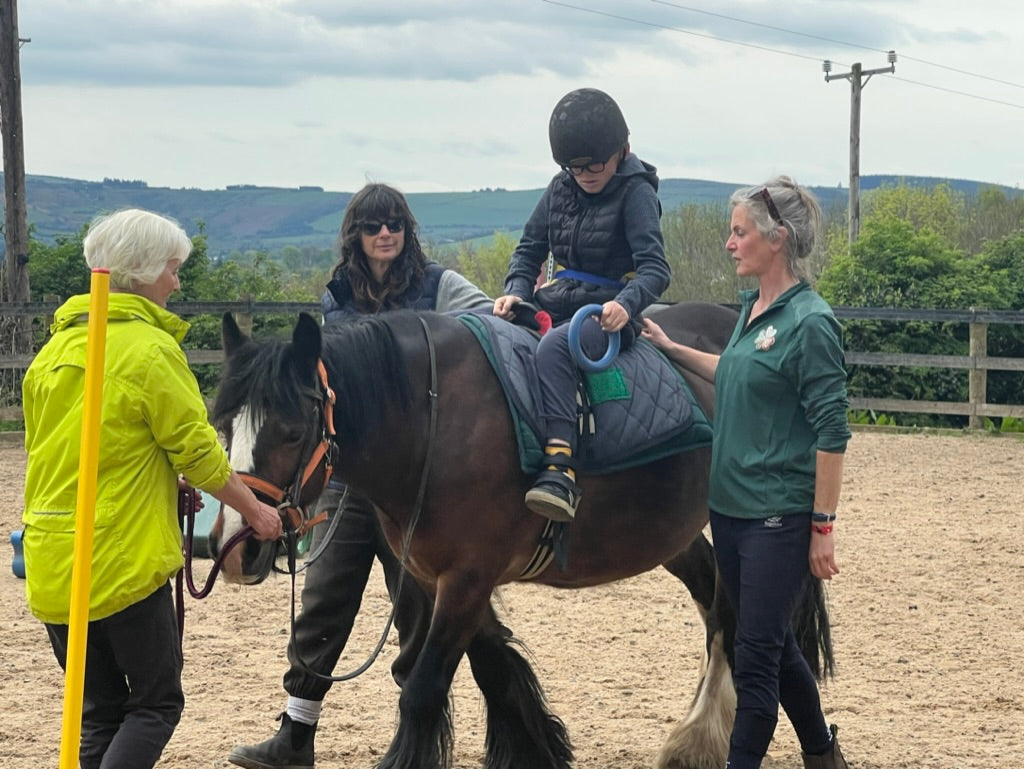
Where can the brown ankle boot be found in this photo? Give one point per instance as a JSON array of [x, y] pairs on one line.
[[833, 759]]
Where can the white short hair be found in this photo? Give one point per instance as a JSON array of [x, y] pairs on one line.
[[135, 245]]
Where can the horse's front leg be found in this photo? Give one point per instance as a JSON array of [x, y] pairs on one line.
[[424, 739]]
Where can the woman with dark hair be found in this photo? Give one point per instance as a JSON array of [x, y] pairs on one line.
[[381, 267]]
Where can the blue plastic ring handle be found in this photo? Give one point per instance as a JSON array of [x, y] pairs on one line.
[[576, 348]]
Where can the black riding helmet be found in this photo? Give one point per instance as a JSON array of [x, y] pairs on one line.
[[586, 124]]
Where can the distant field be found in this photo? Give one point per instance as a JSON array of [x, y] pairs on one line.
[[247, 217]]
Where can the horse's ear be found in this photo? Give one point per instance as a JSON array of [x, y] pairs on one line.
[[231, 335], [306, 341]]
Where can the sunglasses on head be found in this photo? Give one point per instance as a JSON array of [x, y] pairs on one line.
[[773, 212], [372, 228]]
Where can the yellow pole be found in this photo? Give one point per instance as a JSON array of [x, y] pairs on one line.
[[85, 512]]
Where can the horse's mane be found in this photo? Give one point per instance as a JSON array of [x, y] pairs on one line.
[[365, 369], [263, 376]]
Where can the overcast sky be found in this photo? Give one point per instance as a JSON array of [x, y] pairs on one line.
[[443, 95]]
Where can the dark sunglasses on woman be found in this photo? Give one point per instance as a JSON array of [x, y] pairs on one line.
[[372, 228]]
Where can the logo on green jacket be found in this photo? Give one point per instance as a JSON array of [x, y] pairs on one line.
[[765, 339]]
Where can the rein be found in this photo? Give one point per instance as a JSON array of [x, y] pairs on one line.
[[421, 494]]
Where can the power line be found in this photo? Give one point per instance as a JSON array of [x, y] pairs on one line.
[[766, 26], [682, 31], [953, 91], [964, 72], [780, 52], [837, 42]]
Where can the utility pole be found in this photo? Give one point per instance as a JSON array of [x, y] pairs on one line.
[[15, 214], [858, 78]]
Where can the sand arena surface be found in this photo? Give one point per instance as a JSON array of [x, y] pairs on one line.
[[927, 617]]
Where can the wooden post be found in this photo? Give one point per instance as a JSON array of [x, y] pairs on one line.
[[15, 214], [858, 77], [854, 212], [977, 378], [245, 319]]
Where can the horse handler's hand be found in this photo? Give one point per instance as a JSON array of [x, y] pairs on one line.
[[265, 521], [504, 306], [822, 555], [655, 334]]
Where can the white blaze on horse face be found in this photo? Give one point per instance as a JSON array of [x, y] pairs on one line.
[[243, 459]]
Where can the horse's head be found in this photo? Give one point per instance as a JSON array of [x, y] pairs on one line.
[[274, 408]]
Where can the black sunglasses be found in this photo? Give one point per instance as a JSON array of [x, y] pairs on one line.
[[372, 228], [773, 212]]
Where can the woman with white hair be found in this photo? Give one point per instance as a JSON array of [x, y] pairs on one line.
[[154, 429]]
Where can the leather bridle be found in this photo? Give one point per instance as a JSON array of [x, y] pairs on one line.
[[288, 500]]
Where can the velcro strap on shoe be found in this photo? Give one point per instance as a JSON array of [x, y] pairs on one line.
[[561, 461]]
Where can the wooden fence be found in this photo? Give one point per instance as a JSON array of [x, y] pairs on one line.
[[977, 361]]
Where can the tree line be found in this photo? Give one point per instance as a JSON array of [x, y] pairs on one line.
[[919, 247]]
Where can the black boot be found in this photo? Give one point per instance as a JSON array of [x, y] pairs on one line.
[[290, 748], [554, 495], [831, 759]]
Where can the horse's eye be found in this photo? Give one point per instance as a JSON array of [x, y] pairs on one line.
[[293, 437]]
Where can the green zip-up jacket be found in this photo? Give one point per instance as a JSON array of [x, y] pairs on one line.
[[154, 426], [780, 396]]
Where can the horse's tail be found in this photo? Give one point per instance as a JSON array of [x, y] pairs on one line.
[[813, 630]]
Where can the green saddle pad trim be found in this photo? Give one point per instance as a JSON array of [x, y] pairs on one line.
[[607, 385], [602, 386]]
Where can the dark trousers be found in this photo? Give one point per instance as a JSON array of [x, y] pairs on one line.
[[132, 698], [763, 564], [333, 592], [558, 374]]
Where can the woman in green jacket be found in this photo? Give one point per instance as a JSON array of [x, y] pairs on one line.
[[154, 430], [776, 463]]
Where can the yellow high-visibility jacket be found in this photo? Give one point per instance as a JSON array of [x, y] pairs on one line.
[[154, 426]]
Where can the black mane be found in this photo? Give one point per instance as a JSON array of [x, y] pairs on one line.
[[365, 368]]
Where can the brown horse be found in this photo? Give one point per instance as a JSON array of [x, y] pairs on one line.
[[423, 429]]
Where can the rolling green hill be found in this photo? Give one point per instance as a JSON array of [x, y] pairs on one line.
[[247, 217]]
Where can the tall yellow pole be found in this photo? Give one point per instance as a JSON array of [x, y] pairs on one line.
[[85, 513]]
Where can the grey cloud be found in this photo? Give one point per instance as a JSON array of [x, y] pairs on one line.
[[222, 43]]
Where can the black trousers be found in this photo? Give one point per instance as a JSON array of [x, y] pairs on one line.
[[763, 564], [132, 699], [333, 592]]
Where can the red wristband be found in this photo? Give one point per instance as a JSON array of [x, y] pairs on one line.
[[826, 529]]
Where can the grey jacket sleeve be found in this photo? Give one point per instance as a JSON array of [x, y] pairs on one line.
[[454, 292]]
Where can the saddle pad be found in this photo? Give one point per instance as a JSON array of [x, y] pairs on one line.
[[643, 409]]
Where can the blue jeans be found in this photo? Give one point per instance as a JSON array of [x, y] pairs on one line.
[[133, 698], [763, 564]]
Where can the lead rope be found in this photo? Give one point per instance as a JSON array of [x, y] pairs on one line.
[[406, 540], [187, 516]]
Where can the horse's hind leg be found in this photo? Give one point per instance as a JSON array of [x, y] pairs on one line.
[[701, 739], [521, 732]]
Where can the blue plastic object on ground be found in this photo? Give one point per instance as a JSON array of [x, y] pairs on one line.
[[18, 564]]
